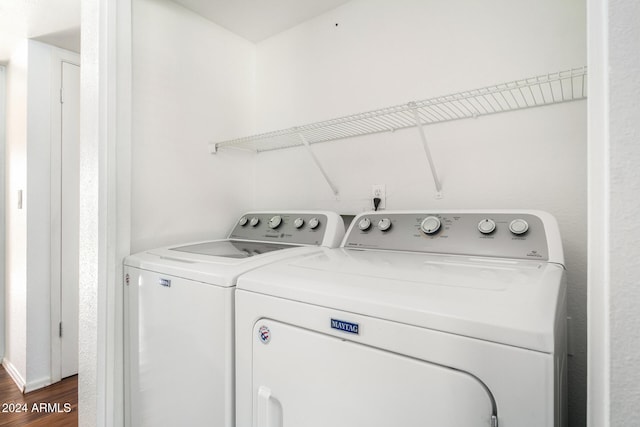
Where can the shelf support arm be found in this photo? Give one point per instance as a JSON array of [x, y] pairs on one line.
[[427, 151], [334, 189]]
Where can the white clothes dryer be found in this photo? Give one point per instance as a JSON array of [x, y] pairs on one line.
[[179, 315], [429, 319]]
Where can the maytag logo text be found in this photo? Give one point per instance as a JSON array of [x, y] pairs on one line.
[[352, 328]]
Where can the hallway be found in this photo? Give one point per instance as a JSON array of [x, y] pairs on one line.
[[53, 406]]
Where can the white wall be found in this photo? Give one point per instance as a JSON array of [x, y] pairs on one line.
[[193, 83], [624, 180], [28, 291], [105, 170], [599, 217], [3, 75], [38, 210], [15, 358], [94, 384], [614, 155], [384, 53]]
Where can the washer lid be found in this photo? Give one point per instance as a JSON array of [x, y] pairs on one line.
[[231, 248], [258, 238], [217, 262], [511, 302]]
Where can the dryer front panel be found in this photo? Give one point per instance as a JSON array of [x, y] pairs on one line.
[[303, 378]]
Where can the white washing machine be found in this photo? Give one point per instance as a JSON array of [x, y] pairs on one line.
[[430, 319], [179, 314]]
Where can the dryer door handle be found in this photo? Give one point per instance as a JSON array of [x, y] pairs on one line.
[[269, 411]]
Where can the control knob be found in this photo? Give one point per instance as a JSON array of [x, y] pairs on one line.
[[275, 222], [298, 223], [384, 224], [364, 224], [314, 223], [487, 226], [430, 225], [254, 221], [518, 226], [243, 221]]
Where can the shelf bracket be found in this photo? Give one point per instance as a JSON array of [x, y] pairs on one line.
[[427, 151], [334, 189]]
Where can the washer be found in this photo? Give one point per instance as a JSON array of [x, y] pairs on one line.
[[444, 319], [179, 310]]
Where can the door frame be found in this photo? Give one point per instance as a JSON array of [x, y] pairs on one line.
[[59, 56], [3, 130]]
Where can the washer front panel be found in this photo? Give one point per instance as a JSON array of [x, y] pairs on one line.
[[458, 234], [173, 347]]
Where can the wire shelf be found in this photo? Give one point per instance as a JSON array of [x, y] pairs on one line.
[[554, 88]]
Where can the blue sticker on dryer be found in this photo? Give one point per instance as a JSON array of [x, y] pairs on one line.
[[341, 325]]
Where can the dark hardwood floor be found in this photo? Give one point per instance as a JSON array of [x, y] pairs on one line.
[[53, 406]]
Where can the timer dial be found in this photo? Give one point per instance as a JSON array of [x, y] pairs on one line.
[[364, 224], [384, 224], [518, 226], [487, 226], [275, 222], [430, 225]]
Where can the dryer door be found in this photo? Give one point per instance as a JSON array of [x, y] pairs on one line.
[[303, 378]]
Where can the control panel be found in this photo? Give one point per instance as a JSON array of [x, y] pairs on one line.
[[296, 228], [500, 234]]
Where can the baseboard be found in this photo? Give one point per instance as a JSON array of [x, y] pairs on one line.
[[35, 385], [14, 374]]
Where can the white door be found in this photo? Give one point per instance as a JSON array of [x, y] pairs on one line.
[[70, 210], [303, 378]]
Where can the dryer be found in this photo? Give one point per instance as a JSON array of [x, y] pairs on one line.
[[179, 315], [438, 319]]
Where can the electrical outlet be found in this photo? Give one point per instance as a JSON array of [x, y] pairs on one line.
[[380, 191]]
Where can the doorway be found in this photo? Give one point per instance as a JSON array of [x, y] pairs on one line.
[[65, 210]]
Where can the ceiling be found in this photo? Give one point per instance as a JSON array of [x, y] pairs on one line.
[[256, 20], [56, 22]]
